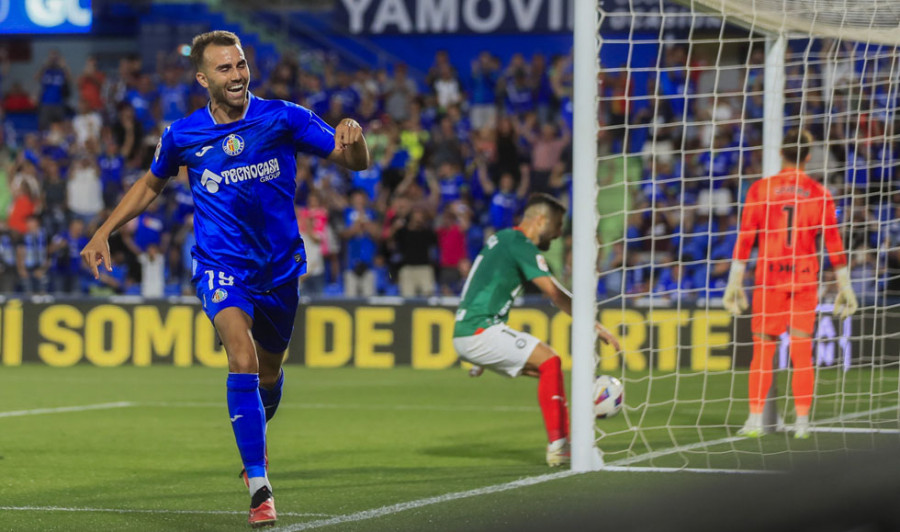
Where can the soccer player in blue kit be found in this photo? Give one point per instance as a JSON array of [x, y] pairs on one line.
[[240, 152]]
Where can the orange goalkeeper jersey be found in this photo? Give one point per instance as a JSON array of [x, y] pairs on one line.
[[789, 211]]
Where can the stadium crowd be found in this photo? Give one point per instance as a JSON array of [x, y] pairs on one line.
[[454, 158]]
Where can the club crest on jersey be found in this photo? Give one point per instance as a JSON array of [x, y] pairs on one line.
[[233, 145], [219, 295]]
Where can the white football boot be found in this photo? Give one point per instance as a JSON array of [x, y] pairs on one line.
[[753, 428], [559, 453], [801, 428]]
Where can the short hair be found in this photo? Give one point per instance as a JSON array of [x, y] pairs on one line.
[[542, 203], [796, 145], [217, 37]]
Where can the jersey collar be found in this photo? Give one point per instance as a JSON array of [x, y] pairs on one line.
[[250, 99]]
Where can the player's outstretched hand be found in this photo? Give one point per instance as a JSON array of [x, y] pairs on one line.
[[608, 337], [347, 133], [95, 253]]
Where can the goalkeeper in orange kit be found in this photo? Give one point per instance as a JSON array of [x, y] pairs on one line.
[[791, 213]]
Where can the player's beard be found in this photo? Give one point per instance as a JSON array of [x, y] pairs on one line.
[[222, 97], [544, 242]]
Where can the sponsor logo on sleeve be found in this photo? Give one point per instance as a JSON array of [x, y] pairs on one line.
[[542, 263]]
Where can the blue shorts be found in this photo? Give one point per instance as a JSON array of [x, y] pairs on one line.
[[272, 311]]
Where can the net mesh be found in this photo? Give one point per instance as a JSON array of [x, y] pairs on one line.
[[681, 127]]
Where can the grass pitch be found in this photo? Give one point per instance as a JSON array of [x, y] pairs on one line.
[[88, 448]]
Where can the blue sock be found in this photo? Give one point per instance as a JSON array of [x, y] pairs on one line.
[[248, 421], [271, 398]]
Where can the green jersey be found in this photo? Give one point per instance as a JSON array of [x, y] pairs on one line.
[[507, 260]]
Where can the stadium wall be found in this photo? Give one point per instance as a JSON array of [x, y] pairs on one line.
[[363, 334]]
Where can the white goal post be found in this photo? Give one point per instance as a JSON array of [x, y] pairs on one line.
[[832, 65]]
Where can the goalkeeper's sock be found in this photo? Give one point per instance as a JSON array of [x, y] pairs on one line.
[[271, 397], [803, 379], [760, 373], [248, 421], [552, 398]]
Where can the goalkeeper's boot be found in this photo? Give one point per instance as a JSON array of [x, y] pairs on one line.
[[262, 508], [559, 453], [243, 473], [753, 428], [801, 428]]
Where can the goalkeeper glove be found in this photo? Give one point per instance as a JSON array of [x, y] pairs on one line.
[[735, 300], [845, 303]]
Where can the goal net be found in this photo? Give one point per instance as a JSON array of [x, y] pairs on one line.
[[692, 101]]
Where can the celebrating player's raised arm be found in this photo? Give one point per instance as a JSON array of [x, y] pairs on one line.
[[350, 149], [135, 201]]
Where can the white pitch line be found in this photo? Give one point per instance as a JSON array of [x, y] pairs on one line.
[[340, 406], [672, 450], [82, 408], [403, 506], [860, 414], [138, 511], [854, 430], [638, 469], [720, 441]]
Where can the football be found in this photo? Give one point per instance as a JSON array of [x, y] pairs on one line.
[[609, 396]]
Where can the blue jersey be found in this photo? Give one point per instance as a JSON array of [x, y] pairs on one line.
[[242, 179]]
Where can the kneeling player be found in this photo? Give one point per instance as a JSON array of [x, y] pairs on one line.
[[481, 336]]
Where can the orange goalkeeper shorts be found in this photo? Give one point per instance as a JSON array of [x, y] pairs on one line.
[[776, 310]]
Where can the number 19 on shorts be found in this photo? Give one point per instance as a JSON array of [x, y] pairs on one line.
[[224, 280]]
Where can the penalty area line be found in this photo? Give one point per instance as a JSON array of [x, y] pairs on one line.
[[403, 506], [147, 511], [62, 409], [349, 406]]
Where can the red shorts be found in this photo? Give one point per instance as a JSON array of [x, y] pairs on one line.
[[776, 310]]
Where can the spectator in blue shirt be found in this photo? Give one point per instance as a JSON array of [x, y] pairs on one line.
[[483, 98], [673, 284], [31, 257], [174, 96], [346, 93], [360, 234], [54, 79], [314, 96], [111, 164], [66, 249], [450, 184], [150, 229], [710, 279], [143, 99], [675, 85], [506, 199], [369, 180]]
